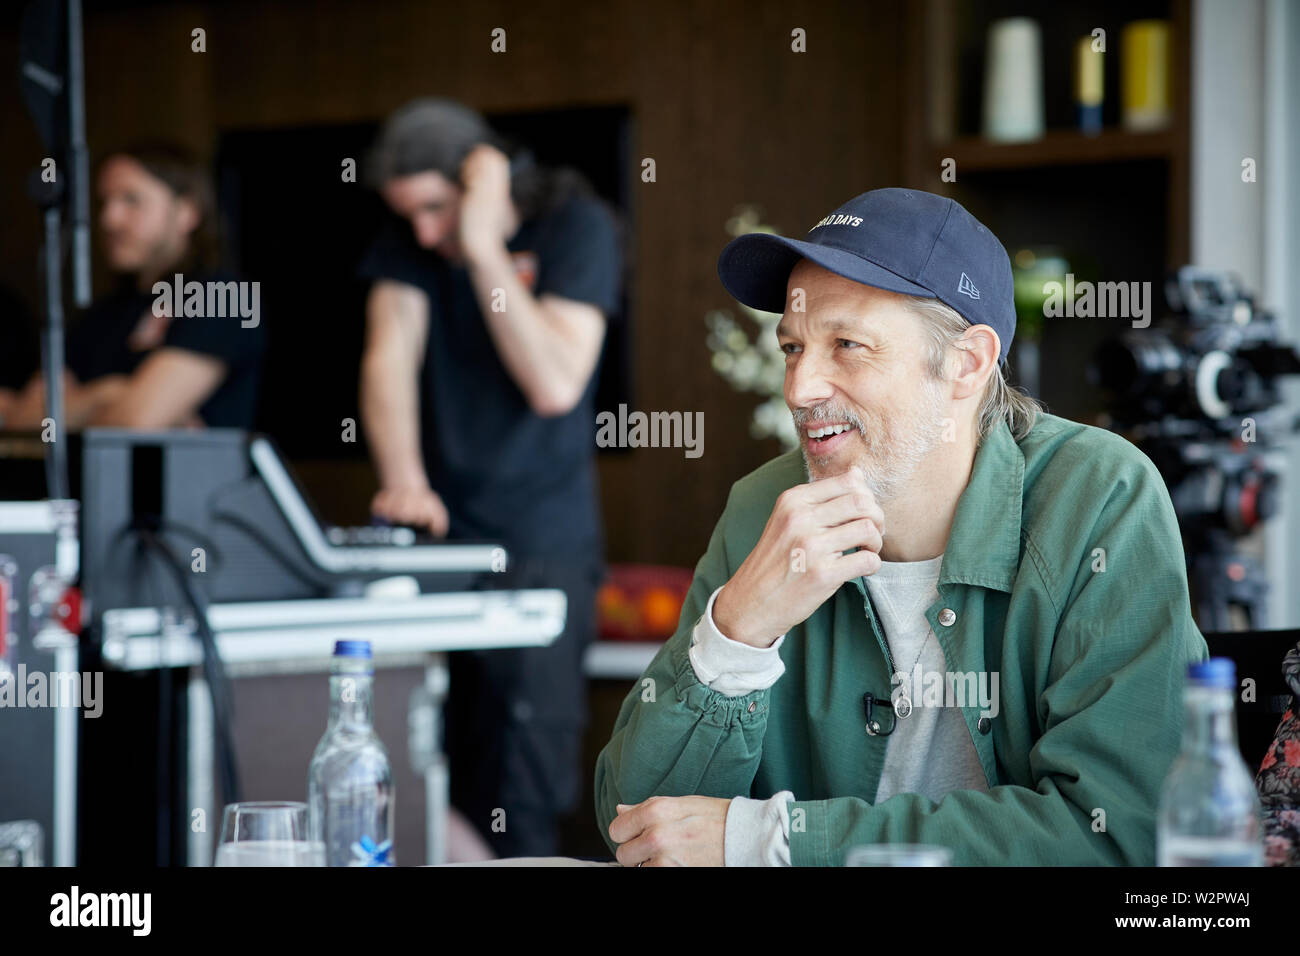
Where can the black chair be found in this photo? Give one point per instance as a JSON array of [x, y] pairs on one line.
[[1258, 655]]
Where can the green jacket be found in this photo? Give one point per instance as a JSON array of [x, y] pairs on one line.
[[1066, 574]]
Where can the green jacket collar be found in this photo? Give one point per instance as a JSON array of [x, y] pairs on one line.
[[984, 544]]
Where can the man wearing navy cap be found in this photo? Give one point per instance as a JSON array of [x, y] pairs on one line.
[[950, 618]]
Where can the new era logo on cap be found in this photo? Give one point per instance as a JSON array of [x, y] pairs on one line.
[[900, 240]]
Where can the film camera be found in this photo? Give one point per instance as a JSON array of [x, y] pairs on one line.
[[1200, 394]]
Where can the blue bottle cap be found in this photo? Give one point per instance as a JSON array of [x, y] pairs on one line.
[[1215, 672], [352, 649]]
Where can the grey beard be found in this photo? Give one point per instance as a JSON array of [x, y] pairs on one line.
[[902, 456]]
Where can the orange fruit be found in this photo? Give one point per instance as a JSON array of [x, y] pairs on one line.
[[617, 611], [660, 610], [609, 597]]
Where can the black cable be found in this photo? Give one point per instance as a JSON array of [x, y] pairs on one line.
[[162, 717], [145, 534], [163, 752], [213, 553], [213, 669], [320, 581], [163, 783], [130, 532]]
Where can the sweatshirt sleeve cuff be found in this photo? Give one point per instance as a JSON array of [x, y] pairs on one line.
[[758, 831], [730, 667]]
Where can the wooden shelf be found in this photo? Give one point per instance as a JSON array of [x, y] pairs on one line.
[[1056, 148]]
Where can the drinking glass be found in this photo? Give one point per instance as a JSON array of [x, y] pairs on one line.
[[268, 833], [898, 854]]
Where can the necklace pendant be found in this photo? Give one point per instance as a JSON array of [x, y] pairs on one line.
[[903, 706]]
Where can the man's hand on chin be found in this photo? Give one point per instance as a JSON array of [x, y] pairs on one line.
[[671, 831]]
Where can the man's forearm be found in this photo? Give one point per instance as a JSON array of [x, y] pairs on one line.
[[28, 406], [1007, 825], [8, 402], [731, 667], [80, 401], [674, 736], [390, 414], [535, 350]]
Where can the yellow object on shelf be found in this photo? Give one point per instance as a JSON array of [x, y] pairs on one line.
[[1144, 70], [1089, 84]]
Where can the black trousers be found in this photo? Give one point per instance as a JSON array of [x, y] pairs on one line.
[[515, 719]]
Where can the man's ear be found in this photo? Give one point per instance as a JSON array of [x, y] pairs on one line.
[[187, 216], [977, 358]]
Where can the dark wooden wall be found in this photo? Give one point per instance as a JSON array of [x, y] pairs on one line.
[[718, 99]]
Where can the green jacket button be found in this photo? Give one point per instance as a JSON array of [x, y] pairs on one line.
[[947, 616], [985, 725], [753, 706]]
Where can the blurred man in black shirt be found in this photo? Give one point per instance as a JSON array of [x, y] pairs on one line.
[[21, 353], [149, 359], [128, 361], [493, 281]]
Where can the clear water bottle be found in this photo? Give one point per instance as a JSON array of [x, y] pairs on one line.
[[350, 784], [1209, 808]]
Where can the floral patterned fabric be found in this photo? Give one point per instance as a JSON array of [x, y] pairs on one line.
[[1278, 779]]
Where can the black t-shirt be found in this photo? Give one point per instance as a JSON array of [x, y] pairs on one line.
[[98, 345], [20, 351], [504, 472]]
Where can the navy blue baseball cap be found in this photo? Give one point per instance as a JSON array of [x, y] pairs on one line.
[[899, 240]]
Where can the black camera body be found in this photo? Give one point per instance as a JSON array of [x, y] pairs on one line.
[[1216, 361], [1200, 394]]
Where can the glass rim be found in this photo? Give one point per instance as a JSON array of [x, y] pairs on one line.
[[265, 805], [900, 847], [261, 821]]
